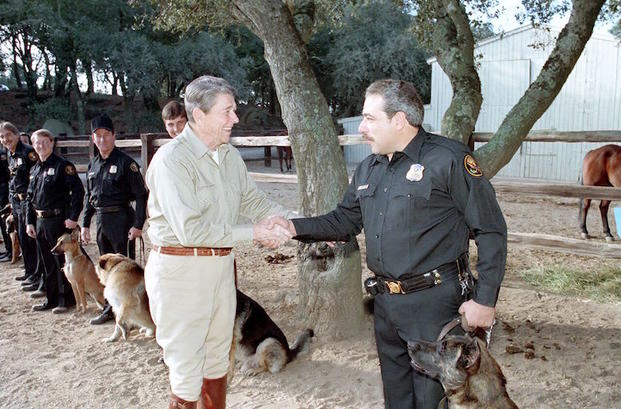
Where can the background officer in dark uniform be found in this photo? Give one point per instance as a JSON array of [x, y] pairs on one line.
[[21, 159], [112, 182], [417, 197], [4, 199], [54, 203]]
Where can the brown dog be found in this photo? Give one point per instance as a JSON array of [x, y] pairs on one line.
[[11, 229], [79, 270], [470, 376], [123, 279]]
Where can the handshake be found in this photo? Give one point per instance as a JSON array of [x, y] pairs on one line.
[[273, 231]]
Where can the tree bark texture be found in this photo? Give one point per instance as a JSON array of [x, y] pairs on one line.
[[453, 45], [330, 286], [541, 92]]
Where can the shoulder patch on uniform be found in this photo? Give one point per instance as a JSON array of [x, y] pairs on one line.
[[70, 170], [134, 167], [472, 167], [32, 155]]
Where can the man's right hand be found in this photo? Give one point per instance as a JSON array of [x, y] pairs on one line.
[[86, 235], [31, 231], [272, 231]]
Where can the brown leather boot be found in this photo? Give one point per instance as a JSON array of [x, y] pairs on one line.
[[213, 394], [175, 402]]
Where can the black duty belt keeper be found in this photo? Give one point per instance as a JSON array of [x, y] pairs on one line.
[[42, 214], [110, 209], [377, 285]]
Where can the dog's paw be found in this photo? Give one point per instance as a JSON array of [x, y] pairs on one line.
[[111, 339]]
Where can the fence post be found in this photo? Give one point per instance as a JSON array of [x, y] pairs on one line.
[[267, 150], [147, 151]]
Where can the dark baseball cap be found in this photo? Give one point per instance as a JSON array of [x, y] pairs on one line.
[[102, 121]]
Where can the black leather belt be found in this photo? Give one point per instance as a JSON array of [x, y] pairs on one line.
[[42, 214], [110, 209], [379, 284]]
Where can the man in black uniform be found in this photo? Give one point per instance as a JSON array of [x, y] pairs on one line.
[[417, 197], [21, 158], [4, 199], [113, 181], [54, 203]]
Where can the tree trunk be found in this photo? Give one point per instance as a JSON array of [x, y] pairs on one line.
[[541, 93], [79, 99], [330, 286], [18, 78], [453, 45], [88, 70]]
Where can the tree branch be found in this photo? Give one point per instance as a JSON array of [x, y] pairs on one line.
[[541, 93]]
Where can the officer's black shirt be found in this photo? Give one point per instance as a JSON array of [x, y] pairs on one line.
[[114, 181], [413, 226], [20, 163], [54, 184], [4, 166]]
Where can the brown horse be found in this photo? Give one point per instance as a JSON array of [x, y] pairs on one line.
[[601, 167]]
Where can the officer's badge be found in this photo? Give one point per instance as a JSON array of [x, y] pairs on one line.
[[51, 172], [32, 155], [134, 167], [2, 157], [113, 169], [415, 173], [70, 170], [19, 162], [472, 167]]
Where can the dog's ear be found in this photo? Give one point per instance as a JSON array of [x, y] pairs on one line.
[[470, 354], [75, 234]]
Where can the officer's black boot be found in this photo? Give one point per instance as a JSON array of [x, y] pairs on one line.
[[105, 316]]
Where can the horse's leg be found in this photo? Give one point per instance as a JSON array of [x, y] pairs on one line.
[[280, 155], [288, 160], [584, 210], [603, 210]]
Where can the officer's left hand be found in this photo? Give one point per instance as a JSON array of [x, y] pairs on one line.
[[31, 231], [133, 233], [70, 224], [477, 315]]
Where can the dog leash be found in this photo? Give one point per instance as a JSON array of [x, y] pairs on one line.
[[141, 253], [464, 324]]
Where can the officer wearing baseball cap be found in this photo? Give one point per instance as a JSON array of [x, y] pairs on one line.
[[113, 181]]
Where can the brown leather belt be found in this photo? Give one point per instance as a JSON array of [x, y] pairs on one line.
[[42, 214], [194, 251]]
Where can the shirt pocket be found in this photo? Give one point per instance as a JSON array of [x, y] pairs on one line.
[[206, 194], [411, 201], [366, 198]]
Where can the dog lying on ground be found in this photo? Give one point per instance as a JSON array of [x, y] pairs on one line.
[[79, 270], [11, 228], [258, 343], [470, 376], [123, 279]]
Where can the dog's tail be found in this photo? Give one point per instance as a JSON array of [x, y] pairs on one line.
[[301, 344]]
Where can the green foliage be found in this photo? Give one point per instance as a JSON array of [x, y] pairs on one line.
[[372, 41], [53, 108], [600, 285]]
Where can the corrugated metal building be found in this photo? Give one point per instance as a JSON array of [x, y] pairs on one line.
[[507, 64]]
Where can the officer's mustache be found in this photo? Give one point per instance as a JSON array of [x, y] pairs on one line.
[[367, 138]]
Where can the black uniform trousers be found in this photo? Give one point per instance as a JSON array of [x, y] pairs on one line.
[[400, 318], [4, 199], [27, 243], [57, 287], [112, 230]]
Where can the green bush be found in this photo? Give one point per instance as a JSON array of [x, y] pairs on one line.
[[53, 108]]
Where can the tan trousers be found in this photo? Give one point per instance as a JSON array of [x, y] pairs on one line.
[[192, 301]]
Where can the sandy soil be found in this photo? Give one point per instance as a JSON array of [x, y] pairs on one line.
[[570, 359]]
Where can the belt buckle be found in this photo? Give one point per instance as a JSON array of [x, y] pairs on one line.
[[437, 280], [394, 287]]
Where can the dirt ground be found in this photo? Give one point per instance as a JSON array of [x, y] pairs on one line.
[[571, 347]]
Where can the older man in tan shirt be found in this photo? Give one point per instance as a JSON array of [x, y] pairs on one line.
[[199, 188]]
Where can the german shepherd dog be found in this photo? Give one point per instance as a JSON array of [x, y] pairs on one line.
[[123, 279], [258, 343], [11, 228], [79, 270], [470, 376]]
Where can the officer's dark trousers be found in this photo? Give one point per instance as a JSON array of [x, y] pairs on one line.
[[4, 199], [402, 317], [112, 230], [57, 287], [27, 243]]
